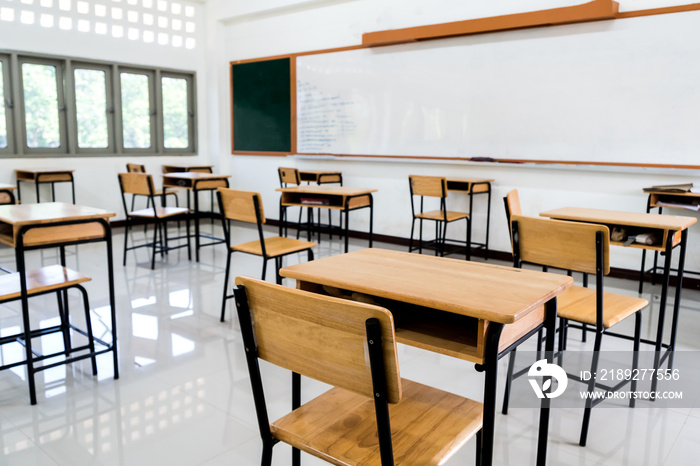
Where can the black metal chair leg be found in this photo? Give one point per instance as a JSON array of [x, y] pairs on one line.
[[88, 329], [410, 241], [266, 454], [155, 241], [509, 381], [226, 274], [591, 389], [635, 353]]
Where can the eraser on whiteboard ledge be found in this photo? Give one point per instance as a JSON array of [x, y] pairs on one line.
[[481, 159]]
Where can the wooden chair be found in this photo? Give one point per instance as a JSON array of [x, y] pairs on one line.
[[246, 206], [161, 193], [290, 177], [142, 184], [372, 416], [435, 187], [584, 248], [48, 279]]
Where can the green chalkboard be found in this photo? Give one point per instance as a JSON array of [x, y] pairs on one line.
[[262, 115]]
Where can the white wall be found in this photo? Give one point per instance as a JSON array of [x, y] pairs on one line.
[[96, 179], [259, 29]]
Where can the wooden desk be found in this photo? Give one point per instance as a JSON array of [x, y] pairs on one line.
[[672, 231], [469, 310], [321, 176], [340, 198], [56, 224], [184, 167], [42, 176], [673, 200], [197, 182], [7, 194], [471, 187]]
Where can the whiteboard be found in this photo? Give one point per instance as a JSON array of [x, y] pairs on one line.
[[624, 91]]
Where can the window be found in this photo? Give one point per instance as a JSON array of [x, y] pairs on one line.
[[78, 107], [137, 109], [93, 107], [42, 98], [178, 113]]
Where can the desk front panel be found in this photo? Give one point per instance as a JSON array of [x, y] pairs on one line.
[[468, 186], [44, 176], [199, 183]]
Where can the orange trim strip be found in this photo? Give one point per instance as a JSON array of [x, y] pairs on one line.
[[595, 10], [658, 11]]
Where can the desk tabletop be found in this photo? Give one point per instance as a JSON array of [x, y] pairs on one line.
[[321, 172], [330, 190], [183, 167], [5, 186], [484, 291], [670, 193], [195, 176], [48, 212], [41, 171], [613, 217], [469, 180]]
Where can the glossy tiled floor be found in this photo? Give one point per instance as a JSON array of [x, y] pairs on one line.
[[184, 398]]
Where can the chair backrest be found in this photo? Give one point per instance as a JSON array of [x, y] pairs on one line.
[[288, 176], [7, 197], [431, 186], [512, 205], [135, 168], [136, 183], [319, 336], [200, 170], [561, 244], [244, 206]]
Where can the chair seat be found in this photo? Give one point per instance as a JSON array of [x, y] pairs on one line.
[[160, 212], [52, 277], [579, 304], [438, 215], [275, 246], [427, 426]]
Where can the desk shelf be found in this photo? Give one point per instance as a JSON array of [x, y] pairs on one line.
[[454, 335], [334, 201]]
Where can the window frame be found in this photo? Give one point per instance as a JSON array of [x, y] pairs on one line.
[[109, 102], [14, 107], [191, 113], [151, 75], [7, 106], [60, 105]]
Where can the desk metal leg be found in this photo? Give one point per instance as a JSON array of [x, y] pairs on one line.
[[490, 387], [36, 187], [550, 323], [658, 347], [371, 219], [196, 223], [347, 228], [112, 299], [677, 302]]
